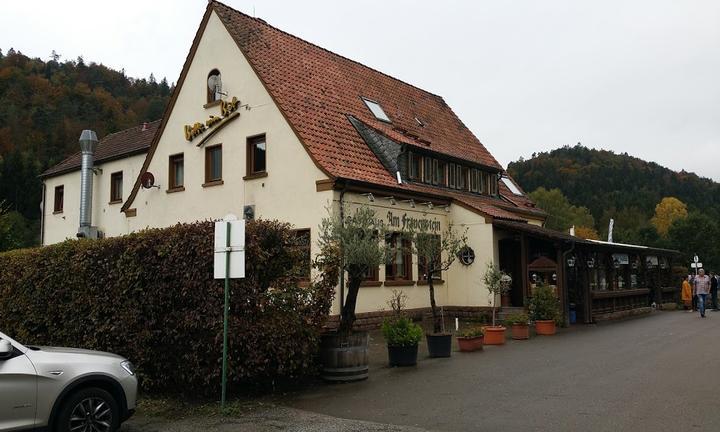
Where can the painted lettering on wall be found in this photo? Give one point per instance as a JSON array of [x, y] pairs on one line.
[[226, 108], [409, 223]]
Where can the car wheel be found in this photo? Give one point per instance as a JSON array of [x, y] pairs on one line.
[[89, 410]]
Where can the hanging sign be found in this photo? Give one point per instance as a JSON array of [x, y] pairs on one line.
[[227, 108]]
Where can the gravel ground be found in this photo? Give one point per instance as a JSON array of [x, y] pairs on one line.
[[269, 418]]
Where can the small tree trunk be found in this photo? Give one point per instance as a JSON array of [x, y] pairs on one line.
[[437, 327], [347, 313]]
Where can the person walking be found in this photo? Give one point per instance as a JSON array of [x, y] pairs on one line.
[[702, 288], [714, 290], [686, 294]]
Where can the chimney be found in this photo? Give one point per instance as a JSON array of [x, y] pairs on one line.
[[88, 144]]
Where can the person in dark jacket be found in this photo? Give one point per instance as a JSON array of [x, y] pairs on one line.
[[713, 290]]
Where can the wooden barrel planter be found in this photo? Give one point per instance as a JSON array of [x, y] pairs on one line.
[[344, 358]]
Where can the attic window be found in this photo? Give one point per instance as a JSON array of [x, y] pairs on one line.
[[214, 86], [377, 110], [510, 185]]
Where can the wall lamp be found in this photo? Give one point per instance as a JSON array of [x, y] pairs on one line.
[[429, 205], [410, 201], [391, 199], [369, 196]]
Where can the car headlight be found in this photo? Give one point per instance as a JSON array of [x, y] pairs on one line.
[[129, 367]]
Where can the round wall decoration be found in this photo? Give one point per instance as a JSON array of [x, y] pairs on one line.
[[466, 255], [147, 180]]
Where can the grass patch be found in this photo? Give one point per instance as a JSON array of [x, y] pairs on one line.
[[177, 409]]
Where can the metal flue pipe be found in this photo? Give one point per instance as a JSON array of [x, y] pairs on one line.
[[88, 144]]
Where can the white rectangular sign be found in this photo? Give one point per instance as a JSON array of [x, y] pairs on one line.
[[696, 265], [236, 249]]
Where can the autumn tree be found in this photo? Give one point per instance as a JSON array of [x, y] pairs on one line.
[[669, 210], [587, 233]]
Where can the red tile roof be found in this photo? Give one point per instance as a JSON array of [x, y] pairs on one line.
[[316, 90], [113, 146]]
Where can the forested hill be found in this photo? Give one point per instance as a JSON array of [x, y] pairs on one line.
[[602, 180], [44, 105], [650, 204]]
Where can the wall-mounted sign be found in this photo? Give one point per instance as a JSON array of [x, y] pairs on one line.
[[227, 108], [406, 222]]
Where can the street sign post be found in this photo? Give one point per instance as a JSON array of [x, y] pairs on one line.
[[229, 260]]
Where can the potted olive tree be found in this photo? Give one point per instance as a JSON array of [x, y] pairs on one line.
[[519, 328], [497, 282], [436, 253], [544, 309], [401, 334], [354, 238]]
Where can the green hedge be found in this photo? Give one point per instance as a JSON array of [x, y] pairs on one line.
[[151, 296]]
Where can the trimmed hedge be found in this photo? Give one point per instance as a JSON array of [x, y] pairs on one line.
[[151, 297]]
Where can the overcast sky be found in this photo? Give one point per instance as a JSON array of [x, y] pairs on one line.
[[641, 77]]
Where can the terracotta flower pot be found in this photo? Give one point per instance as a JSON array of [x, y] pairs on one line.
[[545, 327], [470, 344], [494, 335], [505, 300], [520, 331]]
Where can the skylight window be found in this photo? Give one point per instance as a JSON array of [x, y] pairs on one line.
[[510, 185], [377, 110]]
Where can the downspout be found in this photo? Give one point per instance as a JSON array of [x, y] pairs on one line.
[[342, 264], [42, 215], [566, 290]]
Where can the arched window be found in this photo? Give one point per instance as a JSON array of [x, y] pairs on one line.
[[214, 86]]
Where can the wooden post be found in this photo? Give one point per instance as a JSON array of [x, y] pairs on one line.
[[524, 265], [562, 286]]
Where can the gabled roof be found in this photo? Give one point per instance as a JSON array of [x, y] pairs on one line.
[[321, 93], [113, 146], [317, 90]]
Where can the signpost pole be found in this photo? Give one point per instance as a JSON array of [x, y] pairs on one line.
[[225, 315]]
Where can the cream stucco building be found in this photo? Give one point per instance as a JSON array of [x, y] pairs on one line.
[[288, 131]]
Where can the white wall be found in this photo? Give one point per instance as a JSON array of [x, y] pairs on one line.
[[107, 217]]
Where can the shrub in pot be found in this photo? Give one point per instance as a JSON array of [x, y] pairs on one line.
[[401, 334], [518, 322], [402, 337], [436, 253], [544, 309], [497, 283], [470, 339]]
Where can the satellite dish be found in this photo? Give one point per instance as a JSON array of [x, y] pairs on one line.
[[214, 83], [147, 180]]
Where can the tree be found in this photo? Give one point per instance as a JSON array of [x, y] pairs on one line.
[[668, 211], [356, 238], [696, 234], [561, 213], [587, 233], [497, 283], [436, 253]]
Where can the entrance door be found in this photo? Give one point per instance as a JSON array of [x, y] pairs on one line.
[[510, 263], [18, 382]]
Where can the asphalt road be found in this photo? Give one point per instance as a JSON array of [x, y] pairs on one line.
[[656, 373]]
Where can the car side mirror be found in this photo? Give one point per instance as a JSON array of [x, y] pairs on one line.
[[6, 349]]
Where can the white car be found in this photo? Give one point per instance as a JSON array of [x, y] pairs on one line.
[[63, 389]]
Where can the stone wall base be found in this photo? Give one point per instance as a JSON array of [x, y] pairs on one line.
[[622, 314], [373, 320]]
